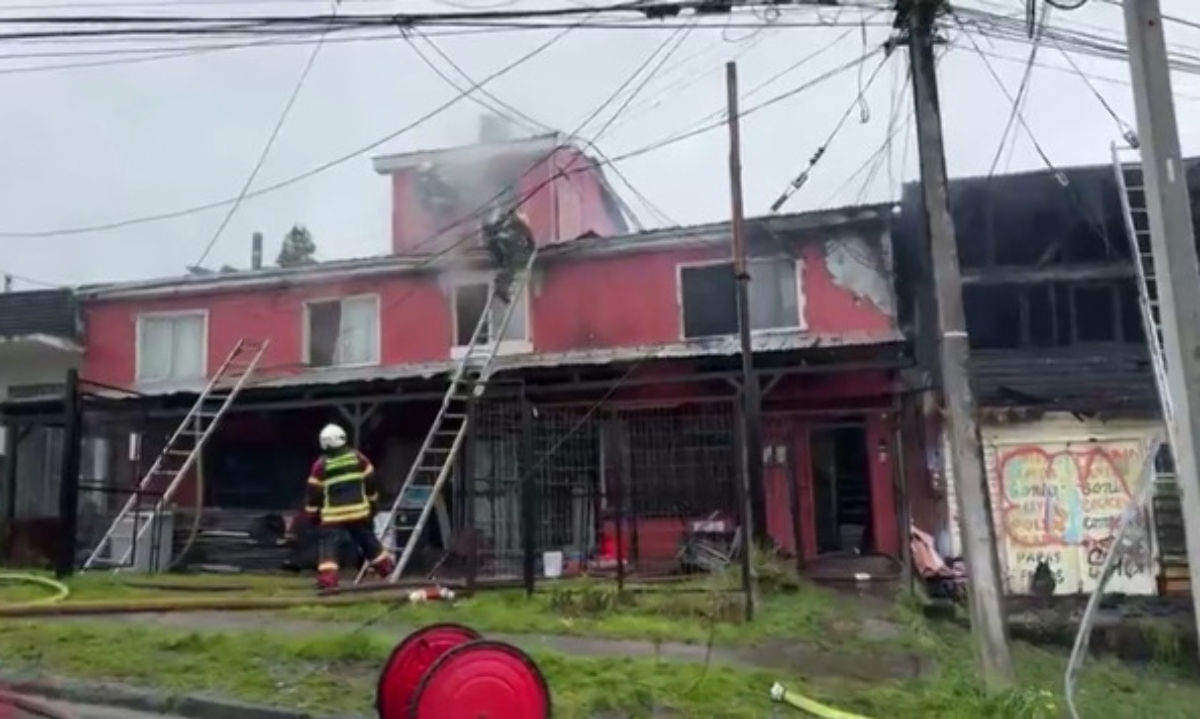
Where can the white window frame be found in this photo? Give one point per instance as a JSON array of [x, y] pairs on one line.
[[306, 329], [505, 347], [797, 268], [173, 314]]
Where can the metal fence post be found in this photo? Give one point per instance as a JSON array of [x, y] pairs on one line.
[[527, 497], [68, 492]]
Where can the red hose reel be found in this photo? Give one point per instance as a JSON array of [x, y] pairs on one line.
[[448, 670]]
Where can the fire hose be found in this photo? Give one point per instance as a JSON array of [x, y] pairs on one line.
[[782, 694], [60, 590]]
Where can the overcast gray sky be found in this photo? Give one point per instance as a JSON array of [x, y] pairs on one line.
[[83, 146]]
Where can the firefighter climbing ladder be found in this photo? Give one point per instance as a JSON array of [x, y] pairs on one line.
[[177, 456], [434, 462]]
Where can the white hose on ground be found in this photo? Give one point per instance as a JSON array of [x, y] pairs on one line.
[[1132, 512]]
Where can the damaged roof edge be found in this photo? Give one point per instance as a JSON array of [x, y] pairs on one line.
[[385, 164], [649, 240]]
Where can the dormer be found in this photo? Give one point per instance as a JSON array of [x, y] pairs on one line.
[[440, 196]]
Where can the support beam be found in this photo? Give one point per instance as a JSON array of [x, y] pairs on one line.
[[1174, 250], [68, 490], [985, 596], [1020, 274]]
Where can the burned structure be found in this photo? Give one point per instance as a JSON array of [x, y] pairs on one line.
[[1061, 371]]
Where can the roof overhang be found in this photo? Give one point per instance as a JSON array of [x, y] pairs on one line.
[[467, 154], [37, 342], [724, 346]]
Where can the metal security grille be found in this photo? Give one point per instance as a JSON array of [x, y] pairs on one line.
[[572, 477]]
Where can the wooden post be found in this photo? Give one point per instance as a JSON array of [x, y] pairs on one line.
[[985, 596], [750, 485]]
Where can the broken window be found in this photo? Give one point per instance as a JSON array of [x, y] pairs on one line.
[[993, 315], [1097, 313], [343, 332], [710, 298], [469, 303]]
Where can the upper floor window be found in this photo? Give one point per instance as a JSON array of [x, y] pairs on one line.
[[171, 346], [469, 302], [342, 332], [1053, 314], [709, 297]]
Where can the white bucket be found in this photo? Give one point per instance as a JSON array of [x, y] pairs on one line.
[[552, 564]]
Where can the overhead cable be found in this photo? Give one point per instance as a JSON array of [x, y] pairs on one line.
[[281, 184], [266, 150], [800, 179]]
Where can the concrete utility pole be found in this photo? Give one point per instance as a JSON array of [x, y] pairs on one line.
[[1174, 249], [985, 595], [751, 424]]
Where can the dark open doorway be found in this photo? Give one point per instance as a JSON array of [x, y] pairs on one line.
[[841, 488]]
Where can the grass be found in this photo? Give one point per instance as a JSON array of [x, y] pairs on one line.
[[335, 672]]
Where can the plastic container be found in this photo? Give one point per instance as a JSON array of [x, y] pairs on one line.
[[552, 564]]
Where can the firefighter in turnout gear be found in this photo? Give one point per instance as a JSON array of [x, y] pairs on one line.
[[510, 242], [341, 500]]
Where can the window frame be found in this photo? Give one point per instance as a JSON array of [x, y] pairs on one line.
[[797, 269], [503, 347], [306, 330], [202, 313]]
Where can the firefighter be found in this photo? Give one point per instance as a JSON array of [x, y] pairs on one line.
[[341, 500], [510, 242]]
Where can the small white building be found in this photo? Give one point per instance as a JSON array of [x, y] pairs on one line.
[[39, 333]]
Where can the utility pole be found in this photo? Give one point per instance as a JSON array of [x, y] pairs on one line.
[[750, 479], [1174, 249], [985, 596]]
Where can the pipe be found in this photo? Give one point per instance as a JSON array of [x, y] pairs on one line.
[[191, 604], [60, 590], [781, 694]]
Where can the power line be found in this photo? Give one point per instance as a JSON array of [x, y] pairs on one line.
[[1021, 90], [802, 178], [311, 172], [266, 150]]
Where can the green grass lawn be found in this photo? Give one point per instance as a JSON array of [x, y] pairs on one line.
[[336, 672]]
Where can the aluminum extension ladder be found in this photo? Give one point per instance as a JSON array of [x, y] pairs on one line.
[[1131, 187], [180, 452], [434, 462]]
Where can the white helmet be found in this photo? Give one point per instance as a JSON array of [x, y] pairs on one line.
[[333, 437]]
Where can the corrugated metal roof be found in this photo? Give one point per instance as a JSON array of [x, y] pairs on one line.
[[713, 347], [1072, 379], [39, 312], [709, 233]]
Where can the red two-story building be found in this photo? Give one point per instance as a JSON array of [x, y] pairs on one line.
[[614, 403]]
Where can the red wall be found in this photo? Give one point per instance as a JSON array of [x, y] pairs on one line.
[[578, 303], [564, 201], [414, 322]]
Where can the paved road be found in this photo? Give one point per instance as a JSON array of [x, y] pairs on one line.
[[82, 711]]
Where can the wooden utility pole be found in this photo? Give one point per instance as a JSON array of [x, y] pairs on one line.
[[1173, 246], [750, 478], [985, 594]]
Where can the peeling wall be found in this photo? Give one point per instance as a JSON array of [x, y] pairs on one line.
[[862, 270]]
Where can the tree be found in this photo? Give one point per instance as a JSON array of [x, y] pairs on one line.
[[298, 248]]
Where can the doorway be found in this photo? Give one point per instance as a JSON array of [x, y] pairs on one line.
[[841, 488]]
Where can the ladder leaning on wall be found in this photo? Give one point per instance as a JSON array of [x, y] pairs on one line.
[[434, 462], [177, 457], [1131, 188]]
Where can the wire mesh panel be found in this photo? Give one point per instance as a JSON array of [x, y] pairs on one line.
[[565, 470], [492, 489], [678, 468], [656, 486]]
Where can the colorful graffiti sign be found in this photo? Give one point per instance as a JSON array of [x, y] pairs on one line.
[[1061, 504]]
